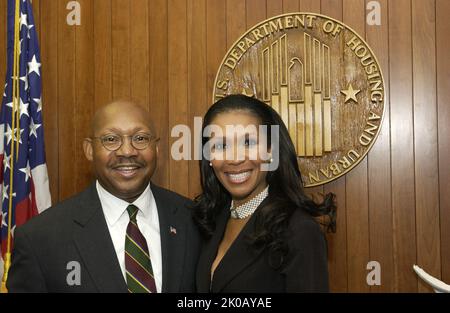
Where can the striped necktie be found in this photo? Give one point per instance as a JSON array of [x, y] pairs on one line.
[[138, 265]]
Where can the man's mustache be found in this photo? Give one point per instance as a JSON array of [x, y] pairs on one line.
[[119, 162]]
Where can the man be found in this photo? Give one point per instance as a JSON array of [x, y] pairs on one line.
[[121, 234]]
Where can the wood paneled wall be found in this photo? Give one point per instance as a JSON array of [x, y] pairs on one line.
[[394, 207]]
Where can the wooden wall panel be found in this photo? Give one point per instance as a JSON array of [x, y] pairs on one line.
[[139, 43], [256, 12], [310, 6], [158, 85], [356, 186], [178, 86], [274, 7], [425, 137], [84, 80], [402, 145], [67, 88], [103, 52], [121, 49], [50, 108], [291, 6], [443, 98], [3, 9], [393, 208], [216, 40], [338, 251], [197, 91], [236, 21], [379, 174]]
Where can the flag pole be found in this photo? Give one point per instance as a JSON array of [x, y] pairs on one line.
[[15, 112]]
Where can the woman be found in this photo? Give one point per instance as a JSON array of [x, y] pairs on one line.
[[259, 226]]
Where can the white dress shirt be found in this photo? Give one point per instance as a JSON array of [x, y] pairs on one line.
[[117, 218]]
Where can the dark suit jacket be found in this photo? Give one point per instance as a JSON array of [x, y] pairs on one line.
[[76, 230], [248, 270]]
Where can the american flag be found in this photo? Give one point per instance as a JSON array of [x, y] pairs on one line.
[[22, 130]]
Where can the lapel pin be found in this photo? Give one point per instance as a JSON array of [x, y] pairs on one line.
[[173, 230]]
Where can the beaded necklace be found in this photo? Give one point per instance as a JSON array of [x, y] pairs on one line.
[[248, 208]]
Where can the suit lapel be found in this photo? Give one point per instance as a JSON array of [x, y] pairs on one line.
[[173, 237], [209, 252], [94, 243], [236, 259]]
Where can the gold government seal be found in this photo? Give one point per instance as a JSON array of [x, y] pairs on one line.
[[323, 80]]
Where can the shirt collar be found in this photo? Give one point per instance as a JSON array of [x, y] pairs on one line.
[[114, 207]]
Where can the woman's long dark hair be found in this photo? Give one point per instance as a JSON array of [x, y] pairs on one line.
[[286, 193]]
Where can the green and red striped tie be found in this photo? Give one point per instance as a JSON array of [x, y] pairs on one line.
[[138, 265]]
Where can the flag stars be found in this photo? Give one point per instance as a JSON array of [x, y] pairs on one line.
[[20, 123], [9, 135], [25, 80], [6, 161], [29, 29], [6, 224], [26, 171], [10, 104], [23, 108], [20, 136], [6, 193], [34, 66], [39, 103], [20, 46], [23, 20], [4, 219], [33, 128]]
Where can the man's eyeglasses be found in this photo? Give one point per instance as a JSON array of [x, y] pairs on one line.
[[139, 141]]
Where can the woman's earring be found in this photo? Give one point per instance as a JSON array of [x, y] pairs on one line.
[[210, 164]]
